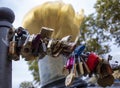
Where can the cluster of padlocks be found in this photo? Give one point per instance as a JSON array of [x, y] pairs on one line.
[[39, 45], [77, 62], [82, 64]]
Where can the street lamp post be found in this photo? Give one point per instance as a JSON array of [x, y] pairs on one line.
[[6, 19]]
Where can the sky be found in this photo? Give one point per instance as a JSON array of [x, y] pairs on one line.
[[20, 70]]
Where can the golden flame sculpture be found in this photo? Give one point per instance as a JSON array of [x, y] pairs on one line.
[[56, 15]]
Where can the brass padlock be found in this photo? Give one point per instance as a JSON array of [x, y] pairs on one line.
[[56, 48], [12, 46], [80, 64], [104, 68], [11, 34], [69, 79], [106, 81], [46, 32], [12, 50], [68, 48], [26, 50], [105, 74]]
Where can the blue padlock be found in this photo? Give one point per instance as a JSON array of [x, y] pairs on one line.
[[79, 49]]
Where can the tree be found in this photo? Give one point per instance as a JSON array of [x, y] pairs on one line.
[[26, 84], [108, 13], [95, 37], [100, 27]]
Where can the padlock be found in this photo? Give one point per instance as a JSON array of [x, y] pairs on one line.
[[68, 48], [14, 57], [80, 65], [65, 71], [58, 45], [104, 68], [49, 43], [28, 38], [106, 81], [46, 32], [23, 39], [69, 79], [66, 39], [36, 43], [56, 49], [26, 50], [85, 67], [12, 46], [104, 71], [21, 31], [20, 42], [10, 34], [39, 46], [92, 61], [79, 49], [12, 50], [70, 63], [36, 40], [44, 47], [42, 50]]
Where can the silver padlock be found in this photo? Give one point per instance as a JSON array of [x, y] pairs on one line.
[[12, 50]]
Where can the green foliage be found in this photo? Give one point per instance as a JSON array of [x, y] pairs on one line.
[[94, 35], [108, 12], [26, 84], [33, 67]]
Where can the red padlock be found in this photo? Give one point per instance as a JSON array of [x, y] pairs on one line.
[[70, 63], [92, 61]]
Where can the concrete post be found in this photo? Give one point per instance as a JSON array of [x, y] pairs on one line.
[[6, 19]]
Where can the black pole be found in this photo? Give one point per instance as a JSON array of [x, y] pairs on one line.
[[6, 19]]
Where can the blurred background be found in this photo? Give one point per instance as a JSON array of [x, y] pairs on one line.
[[98, 30]]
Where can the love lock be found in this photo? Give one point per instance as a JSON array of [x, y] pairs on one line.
[[26, 50], [70, 63], [56, 48], [46, 32], [69, 79], [106, 81], [68, 48], [105, 74], [12, 52], [11, 34], [92, 61], [12, 46], [79, 49]]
